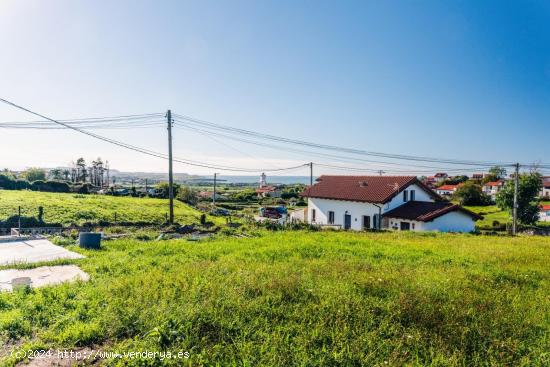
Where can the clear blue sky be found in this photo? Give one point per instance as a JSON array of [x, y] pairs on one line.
[[457, 79]]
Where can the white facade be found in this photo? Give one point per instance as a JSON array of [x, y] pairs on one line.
[[455, 221], [318, 209], [445, 192], [544, 215], [545, 192]]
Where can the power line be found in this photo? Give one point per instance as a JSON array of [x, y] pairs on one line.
[[212, 125], [143, 150], [340, 158]]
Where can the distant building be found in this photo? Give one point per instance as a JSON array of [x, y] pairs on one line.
[[544, 213], [263, 181], [493, 188], [432, 181], [545, 192], [446, 190], [477, 176], [269, 191]]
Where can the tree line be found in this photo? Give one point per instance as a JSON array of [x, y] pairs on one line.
[[80, 177]]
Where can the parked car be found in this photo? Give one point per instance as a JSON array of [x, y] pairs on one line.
[[273, 212]]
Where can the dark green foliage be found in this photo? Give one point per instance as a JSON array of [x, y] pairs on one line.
[[495, 174], [529, 188], [470, 193], [50, 186], [188, 195], [454, 180], [34, 174]]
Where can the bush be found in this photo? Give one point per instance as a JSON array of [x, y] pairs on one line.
[[470, 193]]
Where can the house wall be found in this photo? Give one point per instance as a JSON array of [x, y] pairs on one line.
[[544, 216], [451, 222], [340, 207]]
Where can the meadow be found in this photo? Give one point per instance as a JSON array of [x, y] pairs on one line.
[[78, 209], [300, 299]]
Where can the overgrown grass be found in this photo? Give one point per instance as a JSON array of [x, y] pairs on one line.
[[74, 208], [302, 299]]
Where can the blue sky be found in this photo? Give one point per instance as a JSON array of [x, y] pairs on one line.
[[456, 79]]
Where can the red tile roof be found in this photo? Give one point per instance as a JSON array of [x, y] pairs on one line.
[[545, 207], [266, 189], [425, 211], [447, 187], [371, 189], [494, 183]]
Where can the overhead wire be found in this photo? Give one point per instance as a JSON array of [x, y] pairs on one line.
[[143, 150]]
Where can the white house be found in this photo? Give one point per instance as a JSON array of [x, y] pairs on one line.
[[492, 188], [402, 202], [545, 192], [446, 190], [544, 213]]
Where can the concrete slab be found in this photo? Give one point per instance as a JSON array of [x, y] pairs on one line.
[[40, 277], [33, 251]]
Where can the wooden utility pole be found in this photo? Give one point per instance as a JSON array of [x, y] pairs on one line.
[[515, 209], [310, 173], [214, 194], [170, 172]]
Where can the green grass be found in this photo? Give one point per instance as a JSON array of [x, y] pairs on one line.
[[492, 213], [302, 299], [73, 208]]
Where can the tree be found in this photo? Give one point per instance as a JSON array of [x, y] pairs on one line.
[[470, 193], [81, 172], [529, 188], [188, 195], [34, 174], [454, 180], [496, 173], [163, 188], [56, 174]]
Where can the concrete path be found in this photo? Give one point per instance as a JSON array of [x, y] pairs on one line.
[[40, 277], [33, 251]]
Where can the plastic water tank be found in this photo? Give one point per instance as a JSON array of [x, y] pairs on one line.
[[89, 240]]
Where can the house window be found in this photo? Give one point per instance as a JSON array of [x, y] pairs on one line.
[[413, 195], [412, 225], [313, 215], [375, 221], [405, 195], [330, 217], [366, 222]]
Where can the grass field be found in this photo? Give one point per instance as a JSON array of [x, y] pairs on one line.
[[73, 208], [301, 299], [492, 213]]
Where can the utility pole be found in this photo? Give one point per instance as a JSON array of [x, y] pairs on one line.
[[380, 172], [146, 186], [214, 194], [515, 209], [310, 173], [170, 172]]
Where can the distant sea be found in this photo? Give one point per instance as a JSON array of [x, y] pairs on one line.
[[286, 180]]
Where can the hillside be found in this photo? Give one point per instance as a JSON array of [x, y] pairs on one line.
[[302, 298], [73, 208]]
